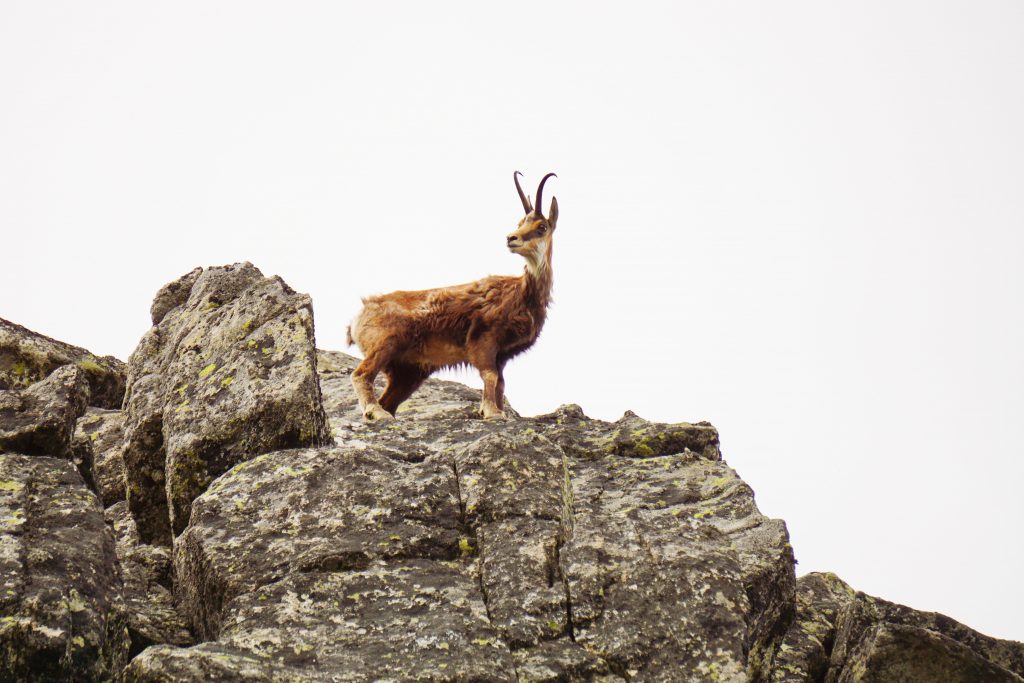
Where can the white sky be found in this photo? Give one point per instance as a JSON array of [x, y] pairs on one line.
[[799, 220]]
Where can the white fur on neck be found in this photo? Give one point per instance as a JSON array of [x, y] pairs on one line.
[[537, 261]]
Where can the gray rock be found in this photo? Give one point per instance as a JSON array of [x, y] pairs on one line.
[[100, 434], [62, 616], [40, 420], [27, 357], [228, 372]]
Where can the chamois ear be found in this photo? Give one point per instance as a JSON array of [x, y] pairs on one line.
[[553, 213]]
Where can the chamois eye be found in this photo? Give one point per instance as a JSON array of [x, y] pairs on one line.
[[542, 229]]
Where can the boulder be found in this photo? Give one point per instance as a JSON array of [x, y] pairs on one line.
[[227, 372], [62, 616], [40, 420], [27, 357]]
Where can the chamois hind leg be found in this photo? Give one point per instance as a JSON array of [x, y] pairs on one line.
[[362, 381], [403, 380], [499, 390]]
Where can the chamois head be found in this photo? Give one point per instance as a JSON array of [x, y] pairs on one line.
[[532, 237]]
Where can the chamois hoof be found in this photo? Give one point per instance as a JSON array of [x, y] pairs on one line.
[[493, 415], [377, 414]]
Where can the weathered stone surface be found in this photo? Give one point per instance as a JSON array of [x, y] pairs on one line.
[[61, 611], [877, 640], [228, 372], [27, 357], [40, 420], [153, 617], [405, 620], [99, 434], [333, 509]]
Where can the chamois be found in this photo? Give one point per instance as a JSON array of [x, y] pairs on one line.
[[410, 335]]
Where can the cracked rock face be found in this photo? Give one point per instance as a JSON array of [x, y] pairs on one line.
[[62, 615], [227, 372], [27, 357]]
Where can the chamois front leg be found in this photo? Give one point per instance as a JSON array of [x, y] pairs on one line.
[[490, 406], [362, 381], [484, 357]]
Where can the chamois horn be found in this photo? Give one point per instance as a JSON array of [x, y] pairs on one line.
[[540, 191], [526, 202]]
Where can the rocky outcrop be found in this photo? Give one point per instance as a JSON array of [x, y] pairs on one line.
[[567, 562], [227, 372], [27, 357], [62, 615], [243, 543]]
